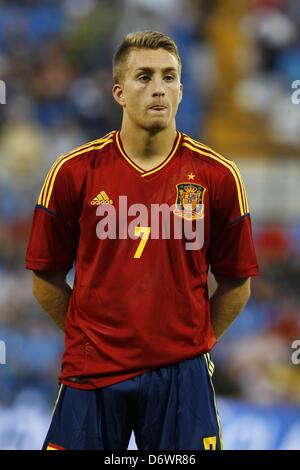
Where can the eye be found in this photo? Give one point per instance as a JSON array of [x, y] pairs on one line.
[[169, 78], [144, 78]]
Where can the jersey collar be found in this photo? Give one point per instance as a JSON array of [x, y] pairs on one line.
[[138, 169]]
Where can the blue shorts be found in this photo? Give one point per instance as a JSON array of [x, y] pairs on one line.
[[168, 408]]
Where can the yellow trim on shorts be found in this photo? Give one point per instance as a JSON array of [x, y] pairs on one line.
[[211, 367], [57, 399]]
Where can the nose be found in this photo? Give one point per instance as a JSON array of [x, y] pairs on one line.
[[158, 88]]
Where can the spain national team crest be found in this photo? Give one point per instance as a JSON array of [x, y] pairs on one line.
[[189, 201]]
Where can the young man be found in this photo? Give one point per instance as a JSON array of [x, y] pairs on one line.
[[138, 322]]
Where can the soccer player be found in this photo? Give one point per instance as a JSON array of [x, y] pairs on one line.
[[138, 322]]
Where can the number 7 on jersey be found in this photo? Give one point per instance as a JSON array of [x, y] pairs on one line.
[[144, 232]]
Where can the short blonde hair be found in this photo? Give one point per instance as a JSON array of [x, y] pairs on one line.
[[141, 40]]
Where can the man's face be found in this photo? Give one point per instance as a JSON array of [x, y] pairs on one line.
[[151, 90]]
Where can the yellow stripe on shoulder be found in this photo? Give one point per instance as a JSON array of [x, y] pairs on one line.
[[230, 162], [61, 163], [47, 187], [44, 190], [204, 150]]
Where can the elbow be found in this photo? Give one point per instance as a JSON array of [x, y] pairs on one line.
[[238, 289], [247, 298], [36, 291], [248, 289], [245, 293], [40, 285]]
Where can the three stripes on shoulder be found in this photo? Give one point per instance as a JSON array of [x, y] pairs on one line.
[[46, 191]]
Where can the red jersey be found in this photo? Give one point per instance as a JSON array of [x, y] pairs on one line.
[[138, 302]]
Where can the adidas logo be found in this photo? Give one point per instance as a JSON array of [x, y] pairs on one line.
[[101, 198]]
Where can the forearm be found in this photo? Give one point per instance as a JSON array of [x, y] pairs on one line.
[[52, 293], [227, 302]]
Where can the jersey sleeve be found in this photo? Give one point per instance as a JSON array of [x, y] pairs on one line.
[[231, 252], [55, 228]]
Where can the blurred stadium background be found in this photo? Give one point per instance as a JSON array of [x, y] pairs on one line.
[[240, 59]]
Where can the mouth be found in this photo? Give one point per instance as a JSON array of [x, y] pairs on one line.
[[158, 108]]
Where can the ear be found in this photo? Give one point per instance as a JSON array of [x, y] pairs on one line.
[[117, 92], [181, 92]]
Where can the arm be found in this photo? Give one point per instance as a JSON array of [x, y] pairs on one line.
[[226, 303], [52, 293]]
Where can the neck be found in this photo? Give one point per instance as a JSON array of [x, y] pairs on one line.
[[146, 147]]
